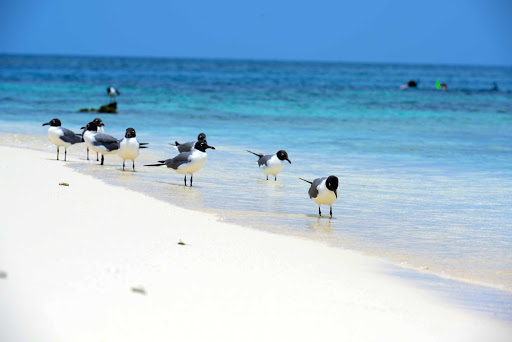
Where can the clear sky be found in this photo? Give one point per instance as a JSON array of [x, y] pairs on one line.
[[437, 31]]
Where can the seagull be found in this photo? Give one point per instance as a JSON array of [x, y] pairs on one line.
[[61, 136], [272, 164], [129, 147], [323, 191], [188, 146], [100, 125], [100, 142], [188, 162], [112, 92]]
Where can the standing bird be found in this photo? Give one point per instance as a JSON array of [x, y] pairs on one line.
[[323, 191], [187, 163], [100, 142], [272, 164], [100, 125], [129, 147], [188, 146], [61, 136], [113, 93]]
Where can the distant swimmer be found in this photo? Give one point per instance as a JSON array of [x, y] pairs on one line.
[[272, 164], [441, 86], [410, 84], [323, 191], [61, 136], [113, 93]]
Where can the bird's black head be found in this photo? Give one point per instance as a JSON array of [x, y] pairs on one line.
[[98, 122], [201, 136], [130, 133], [331, 183], [282, 155], [202, 145], [91, 126], [53, 123]]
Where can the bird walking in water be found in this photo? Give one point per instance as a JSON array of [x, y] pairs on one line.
[[129, 147], [187, 163], [61, 136], [323, 191], [272, 164], [100, 142], [188, 146], [113, 93]]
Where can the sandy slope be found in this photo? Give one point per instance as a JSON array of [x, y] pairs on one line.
[[73, 254]]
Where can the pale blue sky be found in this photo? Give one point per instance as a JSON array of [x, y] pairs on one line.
[[447, 32]]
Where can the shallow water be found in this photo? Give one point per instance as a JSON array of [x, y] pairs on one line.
[[425, 176]]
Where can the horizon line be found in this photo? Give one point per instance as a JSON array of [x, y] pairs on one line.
[[283, 60]]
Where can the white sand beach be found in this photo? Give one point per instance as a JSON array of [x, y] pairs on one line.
[[94, 262]]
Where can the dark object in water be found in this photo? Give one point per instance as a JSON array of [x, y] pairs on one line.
[[412, 84], [3, 275], [181, 243], [110, 108], [139, 290], [87, 110], [64, 184]]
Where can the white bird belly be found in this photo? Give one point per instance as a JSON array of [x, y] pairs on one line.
[[325, 196], [198, 159], [89, 137], [129, 149], [54, 134], [273, 167]]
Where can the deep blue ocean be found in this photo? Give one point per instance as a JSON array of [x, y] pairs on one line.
[[425, 174]]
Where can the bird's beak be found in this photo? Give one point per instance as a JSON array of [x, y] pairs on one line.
[[102, 124], [80, 127], [46, 124], [336, 193], [289, 161], [213, 148]]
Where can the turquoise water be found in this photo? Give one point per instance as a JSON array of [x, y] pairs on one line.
[[425, 175]]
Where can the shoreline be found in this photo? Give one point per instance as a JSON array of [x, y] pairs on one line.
[[76, 152], [93, 261]]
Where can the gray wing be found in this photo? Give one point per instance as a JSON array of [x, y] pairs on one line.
[[106, 140], [313, 191], [185, 147], [70, 137], [180, 159], [263, 160]]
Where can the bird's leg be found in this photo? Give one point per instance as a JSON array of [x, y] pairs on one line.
[[191, 177], [331, 211], [102, 159], [97, 157], [87, 152], [275, 178], [185, 180], [123, 164], [267, 177], [65, 153], [133, 161], [319, 211], [57, 152]]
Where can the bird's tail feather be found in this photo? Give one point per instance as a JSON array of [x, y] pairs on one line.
[[306, 180], [161, 164], [256, 154]]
